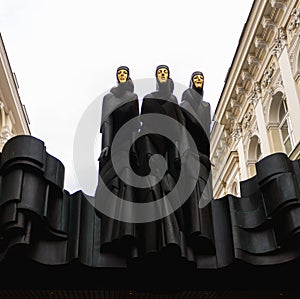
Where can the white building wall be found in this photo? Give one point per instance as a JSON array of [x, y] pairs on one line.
[[265, 70]]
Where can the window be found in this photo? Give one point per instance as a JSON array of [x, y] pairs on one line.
[[285, 128], [279, 126], [254, 155]]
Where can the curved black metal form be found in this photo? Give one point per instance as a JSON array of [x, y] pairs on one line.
[[53, 227]]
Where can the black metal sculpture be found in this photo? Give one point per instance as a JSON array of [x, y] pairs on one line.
[[33, 209], [197, 212], [165, 233], [119, 106], [42, 222]]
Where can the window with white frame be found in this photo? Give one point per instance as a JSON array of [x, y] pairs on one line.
[[285, 128]]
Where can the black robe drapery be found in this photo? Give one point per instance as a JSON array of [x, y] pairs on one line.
[[119, 107], [165, 234], [197, 211]]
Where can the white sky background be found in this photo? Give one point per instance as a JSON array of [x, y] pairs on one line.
[[65, 54]]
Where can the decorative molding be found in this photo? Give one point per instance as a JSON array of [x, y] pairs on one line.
[[270, 92], [280, 4], [247, 119], [222, 142], [237, 132], [247, 76], [253, 60], [228, 141], [279, 81], [279, 42], [295, 20], [240, 90], [249, 135], [260, 43], [282, 34], [255, 95], [229, 115], [235, 104], [272, 126], [267, 76], [251, 162], [267, 23], [226, 133]]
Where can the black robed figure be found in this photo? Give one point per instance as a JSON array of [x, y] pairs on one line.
[[166, 233], [119, 106], [197, 212]]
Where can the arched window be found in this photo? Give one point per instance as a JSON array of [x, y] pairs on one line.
[[280, 128], [254, 155], [285, 128]]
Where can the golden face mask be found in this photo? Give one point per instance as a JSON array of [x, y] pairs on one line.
[[162, 75], [198, 81], [122, 76]]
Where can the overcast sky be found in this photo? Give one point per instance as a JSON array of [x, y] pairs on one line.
[[65, 54]]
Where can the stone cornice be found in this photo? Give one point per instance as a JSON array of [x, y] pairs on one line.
[[253, 60], [280, 4], [267, 23], [246, 41]]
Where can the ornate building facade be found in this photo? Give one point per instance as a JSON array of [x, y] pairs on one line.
[[13, 116], [258, 113]]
